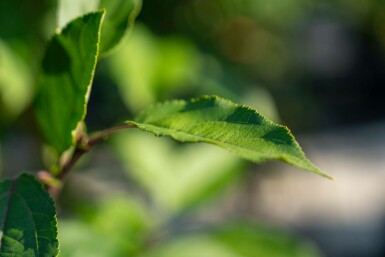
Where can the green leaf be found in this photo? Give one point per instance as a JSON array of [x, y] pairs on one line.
[[120, 16], [27, 219], [239, 129], [65, 80]]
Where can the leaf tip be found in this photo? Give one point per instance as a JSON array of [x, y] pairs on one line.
[[319, 172], [326, 175]]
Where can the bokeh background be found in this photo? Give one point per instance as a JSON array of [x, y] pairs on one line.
[[316, 66]]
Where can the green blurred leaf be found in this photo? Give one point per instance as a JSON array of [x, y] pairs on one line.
[[236, 240], [15, 83], [172, 65], [250, 240], [123, 219], [120, 16], [79, 239], [171, 173], [192, 246], [126, 221], [239, 129], [27, 215], [65, 80]]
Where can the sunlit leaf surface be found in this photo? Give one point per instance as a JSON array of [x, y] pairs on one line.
[[239, 129], [65, 80]]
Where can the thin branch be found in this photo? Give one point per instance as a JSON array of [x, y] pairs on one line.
[[104, 134], [71, 162], [83, 145]]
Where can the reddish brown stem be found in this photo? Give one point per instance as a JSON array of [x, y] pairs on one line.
[[84, 144], [104, 134]]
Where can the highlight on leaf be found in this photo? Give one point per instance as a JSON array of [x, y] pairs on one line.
[[239, 129], [65, 80], [120, 17]]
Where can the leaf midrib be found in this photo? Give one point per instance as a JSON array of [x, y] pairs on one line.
[[201, 138], [229, 146], [33, 222], [11, 192]]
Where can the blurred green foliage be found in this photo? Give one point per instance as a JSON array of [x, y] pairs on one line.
[[125, 222], [148, 69], [136, 233], [239, 239], [15, 84], [244, 50], [171, 173]]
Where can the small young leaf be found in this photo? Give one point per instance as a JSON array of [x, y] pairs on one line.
[[120, 16], [28, 225], [239, 129], [65, 80]]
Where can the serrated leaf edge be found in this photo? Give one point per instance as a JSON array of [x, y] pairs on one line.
[[313, 169], [89, 86]]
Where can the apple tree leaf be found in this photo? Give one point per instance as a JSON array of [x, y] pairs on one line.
[[65, 81], [221, 122], [120, 16], [28, 225]]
